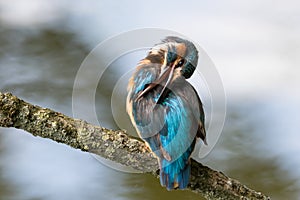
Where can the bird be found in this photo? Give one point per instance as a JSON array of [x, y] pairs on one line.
[[165, 108]]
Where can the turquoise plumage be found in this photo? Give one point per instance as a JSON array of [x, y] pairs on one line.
[[166, 110]]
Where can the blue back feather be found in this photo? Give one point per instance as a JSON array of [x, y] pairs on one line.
[[179, 140]]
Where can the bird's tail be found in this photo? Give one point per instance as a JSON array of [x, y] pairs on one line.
[[175, 175]]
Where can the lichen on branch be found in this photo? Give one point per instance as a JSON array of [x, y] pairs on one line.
[[114, 145]]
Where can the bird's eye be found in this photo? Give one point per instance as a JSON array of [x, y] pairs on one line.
[[180, 63]]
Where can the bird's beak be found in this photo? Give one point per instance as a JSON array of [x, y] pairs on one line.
[[163, 79]]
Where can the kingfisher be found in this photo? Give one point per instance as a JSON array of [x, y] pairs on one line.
[[166, 110]]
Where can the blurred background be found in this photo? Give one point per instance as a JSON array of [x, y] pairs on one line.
[[255, 46]]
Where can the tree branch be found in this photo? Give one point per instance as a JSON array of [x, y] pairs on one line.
[[115, 145]]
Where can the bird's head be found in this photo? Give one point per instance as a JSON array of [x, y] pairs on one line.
[[180, 54], [179, 59]]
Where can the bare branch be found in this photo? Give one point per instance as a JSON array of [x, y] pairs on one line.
[[115, 145]]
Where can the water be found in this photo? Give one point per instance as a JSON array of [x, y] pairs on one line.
[[254, 47]]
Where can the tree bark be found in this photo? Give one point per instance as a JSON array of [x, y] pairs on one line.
[[114, 145]]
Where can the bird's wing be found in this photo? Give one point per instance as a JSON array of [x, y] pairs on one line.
[[201, 132], [147, 116]]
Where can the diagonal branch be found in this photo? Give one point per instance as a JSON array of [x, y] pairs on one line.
[[115, 145]]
